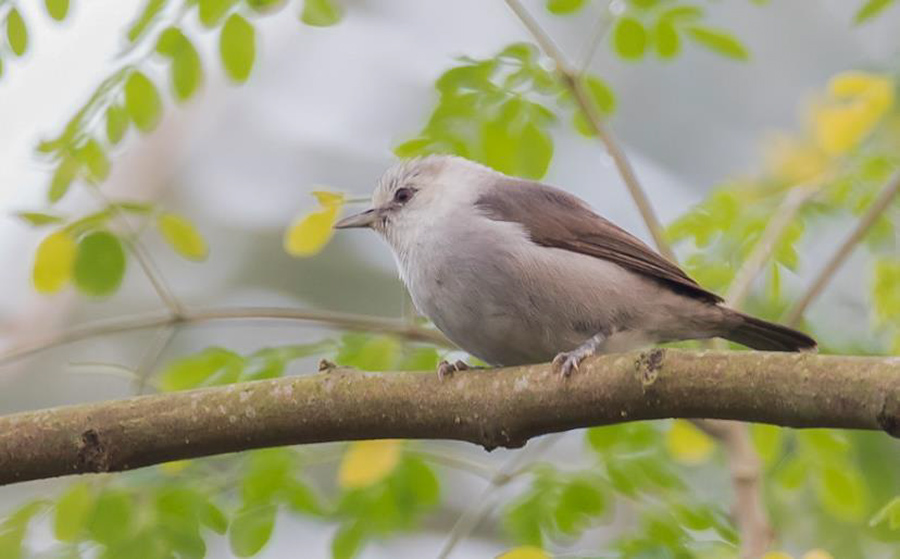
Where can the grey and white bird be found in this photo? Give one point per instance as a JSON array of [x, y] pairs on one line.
[[517, 272]]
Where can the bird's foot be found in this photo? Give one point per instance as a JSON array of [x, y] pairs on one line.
[[445, 370], [325, 365], [566, 362]]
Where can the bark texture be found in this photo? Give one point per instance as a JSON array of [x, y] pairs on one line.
[[503, 407]]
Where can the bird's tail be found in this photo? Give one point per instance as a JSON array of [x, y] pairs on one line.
[[764, 335]]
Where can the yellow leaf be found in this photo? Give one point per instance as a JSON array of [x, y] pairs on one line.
[[855, 105], [366, 463], [817, 554], [174, 467], [851, 84], [525, 552], [308, 235], [53, 262], [183, 236], [794, 161], [687, 444], [327, 199], [777, 555]]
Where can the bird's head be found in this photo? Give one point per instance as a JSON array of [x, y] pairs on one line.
[[414, 193]]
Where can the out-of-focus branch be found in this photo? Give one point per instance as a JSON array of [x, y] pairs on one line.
[[743, 460], [762, 251], [793, 390], [572, 80], [879, 206], [342, 321]]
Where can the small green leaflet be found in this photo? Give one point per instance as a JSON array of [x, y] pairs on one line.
[[237, 47]]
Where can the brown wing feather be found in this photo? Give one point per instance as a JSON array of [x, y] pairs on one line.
[[555, 218]]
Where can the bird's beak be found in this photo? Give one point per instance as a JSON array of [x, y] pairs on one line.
[[363, 219]]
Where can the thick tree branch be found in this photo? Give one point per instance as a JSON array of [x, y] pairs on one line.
[[504, 407]]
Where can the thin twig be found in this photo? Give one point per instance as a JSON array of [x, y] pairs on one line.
[[743, 462], [160, 286], [572, 80], [599, 31], [161, 341], [865, 223], [765, 246], [141, 322], [472, 516]]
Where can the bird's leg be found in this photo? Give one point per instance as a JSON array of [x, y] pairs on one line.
[[446, 370], [567, 362]]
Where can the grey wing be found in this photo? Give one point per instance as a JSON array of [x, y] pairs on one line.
[[555, 218]]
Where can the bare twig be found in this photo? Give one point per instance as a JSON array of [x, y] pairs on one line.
[[788, 389], [196, 316], [572, 80], [481, 507], [879, 206], [743, 461], [161, 341], [765, 246], [156, 279]]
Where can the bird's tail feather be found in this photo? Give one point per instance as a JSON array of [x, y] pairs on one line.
[[764, 335]]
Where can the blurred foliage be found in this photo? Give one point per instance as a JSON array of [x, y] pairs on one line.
[[659, 484]]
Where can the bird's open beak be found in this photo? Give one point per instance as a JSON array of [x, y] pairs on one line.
[[363, 219]]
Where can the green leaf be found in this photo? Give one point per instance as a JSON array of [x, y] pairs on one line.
[[99, 264], [842, 491], [112, 517], [116, 123], [16, 32], [268, 473], [251, 529], [181, 234], [564, 7], [57, 9], [72, 512], [38, 219], [186, 67], [213, 518], [95, 160], [601, 94], [321, 13], [889, 513], [720, 42], [579, 501], [347, 541], [301, 498], [237, 47], [535, 150], [768, 440], [666, 39], [265, 6], [14, 528], [871, 9], [211, 12], [142, 102], [141, 24], [66, 171], [193, 370], [630, 38], [679, 14]]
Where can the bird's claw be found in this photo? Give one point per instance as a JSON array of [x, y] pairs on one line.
[[445, 370], [567, 363]]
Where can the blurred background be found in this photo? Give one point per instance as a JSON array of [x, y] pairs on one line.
[[323, 109]]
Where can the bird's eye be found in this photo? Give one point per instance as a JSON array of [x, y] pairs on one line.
[[403, 195]]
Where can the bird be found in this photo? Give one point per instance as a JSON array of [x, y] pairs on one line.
[[518, 272]]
